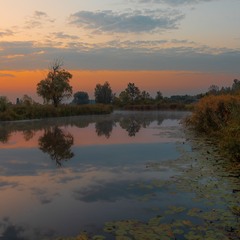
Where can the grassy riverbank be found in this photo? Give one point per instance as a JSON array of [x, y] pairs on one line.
[[219, 118], [38, 111]]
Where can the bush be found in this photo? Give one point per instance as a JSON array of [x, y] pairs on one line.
[[219, 117], [38, 111], [213, 113]]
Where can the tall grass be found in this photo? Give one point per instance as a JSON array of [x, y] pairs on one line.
[[219, 117], [38, 111]]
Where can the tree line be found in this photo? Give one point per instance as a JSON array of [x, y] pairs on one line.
[[55, 88]]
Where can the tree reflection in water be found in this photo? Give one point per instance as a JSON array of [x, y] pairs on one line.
[[4, 135], [104, 128], [57, 144], [131, 125], [132, 122]]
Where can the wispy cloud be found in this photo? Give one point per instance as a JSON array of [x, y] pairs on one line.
[[16, 48], [134, 22], [131, 55], [6, 75], [62, 35], [173, 2], [38, 19], [7, 32]]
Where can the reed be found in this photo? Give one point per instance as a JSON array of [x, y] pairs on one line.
[[219, 117]]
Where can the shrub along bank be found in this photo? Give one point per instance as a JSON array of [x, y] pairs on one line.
[[38, 111], [219, 117]]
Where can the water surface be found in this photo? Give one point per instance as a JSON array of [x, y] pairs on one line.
[[66, 175]]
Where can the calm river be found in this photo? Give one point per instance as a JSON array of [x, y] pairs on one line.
[[128, 175]]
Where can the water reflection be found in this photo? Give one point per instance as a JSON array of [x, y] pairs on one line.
[[104, 128], [131, 125], [107, 172], [4, 135], [28, 134], [56, 136], [13, 231], [57, 144], [132, 122], [10, 231]]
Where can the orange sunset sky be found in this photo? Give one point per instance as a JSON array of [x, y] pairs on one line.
[[175, 46]]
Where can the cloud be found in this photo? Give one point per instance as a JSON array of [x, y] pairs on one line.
[[110, 192], [38, 19], [135, 22], [122, 55], [175, 2], [62, 35], [6, 33], [39, 14], [5, 184], [42, 195], [6, 75], [16, 48]]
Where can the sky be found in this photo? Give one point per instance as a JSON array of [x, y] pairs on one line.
[[172, 46]]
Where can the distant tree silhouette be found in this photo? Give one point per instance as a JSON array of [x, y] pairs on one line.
[[159, 96], [213, 89], [145, 97], [27, 100], [130, 95], [80, 98], [103, 93], [55, 87], [236, 86]]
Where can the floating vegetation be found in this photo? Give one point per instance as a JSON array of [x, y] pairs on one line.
[[82, 236], [203, 225], [216, 198], [209, 210]]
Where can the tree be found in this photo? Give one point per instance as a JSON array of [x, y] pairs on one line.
[[236, 86], [55, 87], [124, 98], [27, 100], [145, 97], [159, 96], [103, 93], [130, 95], [213, 89], [4, 103], [133, 92], [81, 98]]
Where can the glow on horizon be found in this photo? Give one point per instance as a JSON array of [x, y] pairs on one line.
[[177, 47], [17, 83]]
